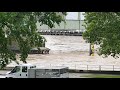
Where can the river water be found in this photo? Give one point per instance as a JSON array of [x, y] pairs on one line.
[[59, 44], [69, 51], [73, 52]]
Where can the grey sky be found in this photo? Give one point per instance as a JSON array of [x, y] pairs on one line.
[[74, 15]]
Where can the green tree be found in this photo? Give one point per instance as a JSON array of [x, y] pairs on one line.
[[103, 28], [21, 28]]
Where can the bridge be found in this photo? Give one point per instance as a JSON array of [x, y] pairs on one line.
[[68, 28]]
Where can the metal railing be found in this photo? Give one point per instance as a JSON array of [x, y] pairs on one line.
[[80, 67], [87, 67]]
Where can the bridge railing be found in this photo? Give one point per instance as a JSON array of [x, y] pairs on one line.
[[88, 67], [80, 67]]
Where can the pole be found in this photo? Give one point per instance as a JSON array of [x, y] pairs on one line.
[[87, 67], [79, 18], [64, 22], [92, 48], [99, 67], [90, 51], [113, 67]]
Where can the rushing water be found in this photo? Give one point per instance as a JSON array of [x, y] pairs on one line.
[[66, 43], [70, 51]]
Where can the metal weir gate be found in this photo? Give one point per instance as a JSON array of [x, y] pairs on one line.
[[61, 32]]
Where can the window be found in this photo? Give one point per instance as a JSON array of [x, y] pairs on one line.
[[55, 71], [33, 67], [16, 69], [24, 69], [62, 71]]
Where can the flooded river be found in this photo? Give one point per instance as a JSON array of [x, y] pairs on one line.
[[59, 44], [69, 51]]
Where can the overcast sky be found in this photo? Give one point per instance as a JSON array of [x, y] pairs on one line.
[[74, 15]]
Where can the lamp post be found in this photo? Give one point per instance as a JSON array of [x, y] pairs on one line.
[[90, 51], [79, 18], [64, 22]]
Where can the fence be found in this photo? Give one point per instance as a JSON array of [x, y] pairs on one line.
[[87, 67], [80, 67]]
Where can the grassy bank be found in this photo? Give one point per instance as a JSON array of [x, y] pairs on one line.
[[101, 76]]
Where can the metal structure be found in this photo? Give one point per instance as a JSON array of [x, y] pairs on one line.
[[80, 67], [70, 25], [86, 67]]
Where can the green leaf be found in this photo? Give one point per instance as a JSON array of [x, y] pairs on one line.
[[20, 27], [103, 28]]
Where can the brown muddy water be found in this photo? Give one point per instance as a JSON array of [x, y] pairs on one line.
[[69, 51]]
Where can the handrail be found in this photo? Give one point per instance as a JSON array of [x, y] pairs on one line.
[[90, 67]]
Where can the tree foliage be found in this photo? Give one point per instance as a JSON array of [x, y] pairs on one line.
[[21, 28], [103, 28]]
